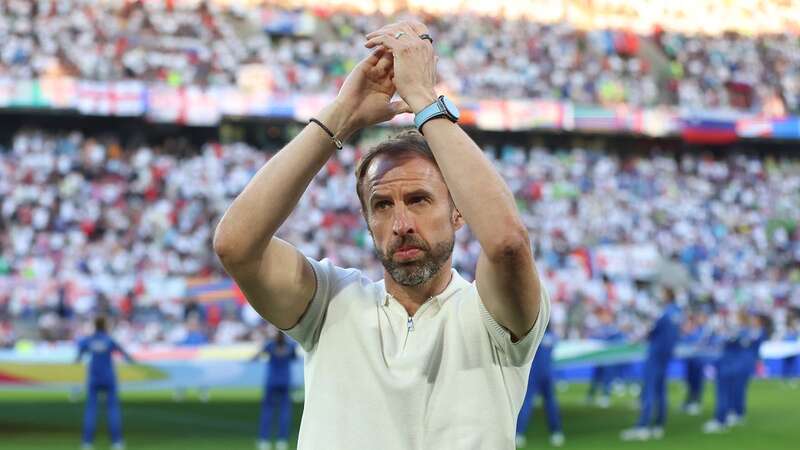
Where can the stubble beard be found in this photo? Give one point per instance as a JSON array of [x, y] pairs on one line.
[[418, 271]]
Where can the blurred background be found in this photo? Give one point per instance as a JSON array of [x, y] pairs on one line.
[[649, 145]]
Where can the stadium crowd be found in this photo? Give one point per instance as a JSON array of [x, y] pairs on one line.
[[288, 51], [90, 225]]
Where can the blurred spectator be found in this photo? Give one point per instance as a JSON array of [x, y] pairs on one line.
[[82, 231], [286, 51]]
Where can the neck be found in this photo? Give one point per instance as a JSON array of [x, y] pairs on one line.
[[412, 297]]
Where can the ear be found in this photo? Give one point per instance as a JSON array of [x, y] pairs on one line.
[[457, 219]]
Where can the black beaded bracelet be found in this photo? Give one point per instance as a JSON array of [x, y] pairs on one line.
[[336, 142]]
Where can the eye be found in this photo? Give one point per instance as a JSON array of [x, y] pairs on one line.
[[380, 205], [417, 199]]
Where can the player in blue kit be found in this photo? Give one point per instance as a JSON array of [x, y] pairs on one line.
[[697, 338], [275, 401], [789, 363], [542, 381], [661, 344], [603, 374], [752, 338], [727, 366], [101, 379]]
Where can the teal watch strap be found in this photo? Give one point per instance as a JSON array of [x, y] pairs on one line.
[[432, 111]]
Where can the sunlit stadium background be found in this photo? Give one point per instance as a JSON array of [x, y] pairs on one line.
[[648, 143]]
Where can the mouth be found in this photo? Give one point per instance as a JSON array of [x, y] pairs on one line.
[[407, 253]]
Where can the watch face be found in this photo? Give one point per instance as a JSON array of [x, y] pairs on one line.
[[451, 109]]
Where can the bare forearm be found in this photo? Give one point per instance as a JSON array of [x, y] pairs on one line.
[[489, 210], [256, 214], [478, 190]]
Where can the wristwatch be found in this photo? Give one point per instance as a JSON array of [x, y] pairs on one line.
[[442, 107]]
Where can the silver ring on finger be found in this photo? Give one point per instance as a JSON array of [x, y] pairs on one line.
[[398, 34]]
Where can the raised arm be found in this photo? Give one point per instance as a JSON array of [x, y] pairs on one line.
[[261, 351], [506, 275], [81, 350], [275, 277], [122, 352]]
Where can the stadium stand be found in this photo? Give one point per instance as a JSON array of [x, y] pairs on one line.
[[286, 50], [88, 224]]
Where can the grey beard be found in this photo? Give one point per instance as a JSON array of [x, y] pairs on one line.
[[418, 272]]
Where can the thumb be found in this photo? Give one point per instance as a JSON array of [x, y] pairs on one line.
[[399, 107]]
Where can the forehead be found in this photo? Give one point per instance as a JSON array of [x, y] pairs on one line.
[[406, 168]]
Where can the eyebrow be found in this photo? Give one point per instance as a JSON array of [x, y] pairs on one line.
[[376, 196], [416, 192]]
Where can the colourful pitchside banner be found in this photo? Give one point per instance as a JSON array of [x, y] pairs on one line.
[[49, 366], [207, 106]]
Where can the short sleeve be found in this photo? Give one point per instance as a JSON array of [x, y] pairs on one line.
[[522, 351], [330, 280]]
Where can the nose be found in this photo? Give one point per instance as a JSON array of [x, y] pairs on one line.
[[402, 223]]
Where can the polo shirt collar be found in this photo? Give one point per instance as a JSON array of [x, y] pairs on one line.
[[456, 284]]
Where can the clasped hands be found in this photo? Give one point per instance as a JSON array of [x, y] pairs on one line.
[[401, 62]]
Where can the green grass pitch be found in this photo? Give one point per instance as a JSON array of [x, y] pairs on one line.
[[153, 421]]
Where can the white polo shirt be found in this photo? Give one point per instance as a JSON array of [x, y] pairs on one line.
[[447, 378]]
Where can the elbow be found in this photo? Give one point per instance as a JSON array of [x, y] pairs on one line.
[[233, 252], [510, 246], [224, 248]]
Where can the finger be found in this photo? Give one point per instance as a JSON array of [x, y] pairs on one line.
[[417, 27], [408, 26], [373, 58], [374, 33], [414, 27], [399, 107], [392, 31], [386, 29], [411, 28], [405, 28], [387, 41], [385, 63], [391, 28], [412, 34]]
